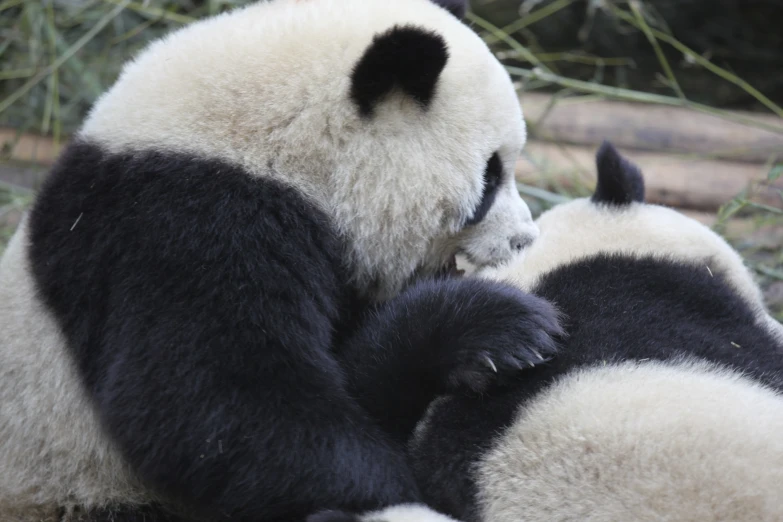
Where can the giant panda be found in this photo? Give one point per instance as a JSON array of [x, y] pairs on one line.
[[664, 400], [261, 196]]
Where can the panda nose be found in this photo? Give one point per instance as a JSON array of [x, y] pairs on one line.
[[520, 241]]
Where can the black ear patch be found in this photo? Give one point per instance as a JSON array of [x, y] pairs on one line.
[[408, 58], [620, 182], [456, 7]]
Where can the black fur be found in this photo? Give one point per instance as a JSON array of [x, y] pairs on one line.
[[619, 181], [202, 307], [451, 330], [409, 58], [617, 309], [493, 179], [456, 7], [464, 428], [199, 304]]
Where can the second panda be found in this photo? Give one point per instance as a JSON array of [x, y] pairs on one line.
[[665, 401]]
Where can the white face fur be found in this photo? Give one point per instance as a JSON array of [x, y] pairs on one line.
[[268, 88]]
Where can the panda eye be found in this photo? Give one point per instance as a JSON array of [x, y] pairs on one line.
[[493, 179], [493, 175]]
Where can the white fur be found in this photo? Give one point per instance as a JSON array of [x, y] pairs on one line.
[[267, 87], [52, 453], [642, 442], [580, 229], [405, 513]]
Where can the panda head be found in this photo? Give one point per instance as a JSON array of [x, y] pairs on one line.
[[393, 116], [617, 220]]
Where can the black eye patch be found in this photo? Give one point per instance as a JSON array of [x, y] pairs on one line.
[[493, 179]]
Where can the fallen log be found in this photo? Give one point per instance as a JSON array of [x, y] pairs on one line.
[[28, 148], [686, 183], [587, 121]]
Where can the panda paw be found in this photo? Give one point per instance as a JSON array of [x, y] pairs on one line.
[[498, 332]]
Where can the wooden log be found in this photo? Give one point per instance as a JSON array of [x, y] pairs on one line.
[[651, 128], [675, 181], [30, 148]]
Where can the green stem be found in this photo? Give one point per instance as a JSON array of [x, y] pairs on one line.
[[81, 42], [642, 24], [629, 95], [522, 50], [697, 58]]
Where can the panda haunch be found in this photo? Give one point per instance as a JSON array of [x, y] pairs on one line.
[[185, 313]]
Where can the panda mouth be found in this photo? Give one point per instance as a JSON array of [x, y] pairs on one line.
[[449, 269]]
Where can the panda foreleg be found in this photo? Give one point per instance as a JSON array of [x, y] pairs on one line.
[[441, 336]]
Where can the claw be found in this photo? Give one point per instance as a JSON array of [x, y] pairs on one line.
[[491, 364], [540, 358]]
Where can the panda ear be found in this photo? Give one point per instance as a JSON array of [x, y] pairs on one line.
[[456, 7], [620, 182], [408, 58]]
